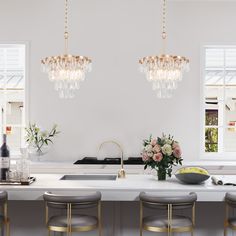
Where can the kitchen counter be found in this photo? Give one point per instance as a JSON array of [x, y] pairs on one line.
[[119, 190], [46, 167], [120, 206]]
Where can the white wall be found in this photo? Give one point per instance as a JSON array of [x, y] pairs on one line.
[[116, 102]]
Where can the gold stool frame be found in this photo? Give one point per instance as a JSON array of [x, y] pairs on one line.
[[69, 229], [169, 229], [6, 221], [226, 222]]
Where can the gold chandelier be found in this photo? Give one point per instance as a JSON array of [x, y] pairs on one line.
[[66, 71], [164, 71]]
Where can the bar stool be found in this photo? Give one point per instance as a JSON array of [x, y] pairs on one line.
[[167, 223], [69, 222], [4, 220], [230, 221]]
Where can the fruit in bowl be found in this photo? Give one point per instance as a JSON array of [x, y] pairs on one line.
[[198, 170], [192, 175]]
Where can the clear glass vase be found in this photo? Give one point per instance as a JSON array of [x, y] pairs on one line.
[[161, 174], [36, 153]]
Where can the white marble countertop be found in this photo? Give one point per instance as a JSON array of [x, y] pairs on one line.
[[126, 189]]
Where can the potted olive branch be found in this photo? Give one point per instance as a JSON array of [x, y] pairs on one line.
[[38, 139]]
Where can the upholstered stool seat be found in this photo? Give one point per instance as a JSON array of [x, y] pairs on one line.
[[162, 222], [178, 221], [79, 222], [73, 220]]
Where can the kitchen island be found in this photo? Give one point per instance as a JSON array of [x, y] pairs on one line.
[[127, 189], [120, 205]]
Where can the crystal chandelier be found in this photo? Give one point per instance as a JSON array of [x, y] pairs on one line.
[[164, 71], [66, 71]]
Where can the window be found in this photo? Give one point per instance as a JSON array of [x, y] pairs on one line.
[[12, 94], [219, 101]]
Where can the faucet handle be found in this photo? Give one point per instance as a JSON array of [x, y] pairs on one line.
[[121, 174]]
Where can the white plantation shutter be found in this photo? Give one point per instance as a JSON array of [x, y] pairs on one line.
[[12, 94], [214, 58], [220, 66], [230, 58], [12, 66], [220, 100]]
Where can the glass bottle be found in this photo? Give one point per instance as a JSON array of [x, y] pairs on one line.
[[4, 159]]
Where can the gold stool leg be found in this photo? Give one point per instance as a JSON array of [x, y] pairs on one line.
[[226, 223], [168, 216], [225, 230], [8, 228], [100, 230], [168, 232], [49, 232], [169, 219], [141, 219], [192, 232], [99, 219], [141, 231]]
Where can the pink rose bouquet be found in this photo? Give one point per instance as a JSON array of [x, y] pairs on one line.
[[161, 154]]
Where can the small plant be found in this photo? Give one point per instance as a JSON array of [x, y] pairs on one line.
[[161, 154], [37, 138]]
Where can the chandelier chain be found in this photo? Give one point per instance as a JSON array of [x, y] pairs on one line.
[[164, 20], [66, 34]]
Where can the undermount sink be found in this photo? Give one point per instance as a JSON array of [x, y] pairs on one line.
[[88, 177]]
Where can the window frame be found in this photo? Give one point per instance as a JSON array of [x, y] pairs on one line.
[[26, 83], [223, 156]]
